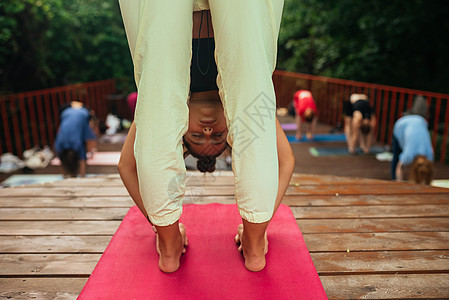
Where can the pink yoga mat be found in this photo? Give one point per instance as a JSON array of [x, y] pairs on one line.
[[212, 268]]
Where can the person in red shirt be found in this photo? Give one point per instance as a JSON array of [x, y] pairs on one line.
[[306, 110]]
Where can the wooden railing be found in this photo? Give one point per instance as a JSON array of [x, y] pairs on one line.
[[389, 104], [32, 118]]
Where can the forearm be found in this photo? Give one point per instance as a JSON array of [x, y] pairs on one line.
[[298, 127], [128, 170], [131, 182], [399, 173], [313, 126], [286, 164]]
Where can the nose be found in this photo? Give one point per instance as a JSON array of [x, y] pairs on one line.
[[208, 130]]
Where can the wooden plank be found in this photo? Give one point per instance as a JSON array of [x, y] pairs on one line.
[[124, 201], [373, 225], [357, 188], [73, 201], [118, 191], [333, 200], [80, 265], [115, 180], [41, 288], [54, 244], [112, 191], [371, 211], [45, 227], [410, 286], [301, 200], [192, 178], [311, 179], [340, 263], [33, 191], [224, 178], [75, 213], [391, 241]]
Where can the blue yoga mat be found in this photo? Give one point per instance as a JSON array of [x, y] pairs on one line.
[[319, 138], [340, 151], [27, 179]]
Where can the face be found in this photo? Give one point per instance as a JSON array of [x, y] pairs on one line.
[[207, 125]]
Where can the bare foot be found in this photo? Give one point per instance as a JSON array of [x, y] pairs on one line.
[[351, 150], [172, 248], [252, 252]]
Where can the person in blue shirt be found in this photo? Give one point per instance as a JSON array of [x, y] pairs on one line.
[[412, 146], [73, 134]]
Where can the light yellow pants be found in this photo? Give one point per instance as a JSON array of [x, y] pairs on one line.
[[160, 36]]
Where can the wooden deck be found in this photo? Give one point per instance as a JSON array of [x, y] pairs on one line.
[[368, 238]]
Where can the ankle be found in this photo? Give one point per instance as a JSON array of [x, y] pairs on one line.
[[170, 246]]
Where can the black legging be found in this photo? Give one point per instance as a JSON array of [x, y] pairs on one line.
[[396, 151]]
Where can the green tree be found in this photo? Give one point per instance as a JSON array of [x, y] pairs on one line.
[[46, 43], [392, 42], [55, 42]]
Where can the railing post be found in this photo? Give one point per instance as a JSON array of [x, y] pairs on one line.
[[6, 132], [436, 121], [445, 133]]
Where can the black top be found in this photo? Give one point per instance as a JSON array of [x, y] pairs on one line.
[[360, 105], [203, 69]]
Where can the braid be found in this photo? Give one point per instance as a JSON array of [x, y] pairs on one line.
[[206, 164]]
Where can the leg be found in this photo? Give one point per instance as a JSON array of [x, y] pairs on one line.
[[355, 130], [364, 139], [298, 127], [373, 123], [253, 244], [83, 168], [159, 36], [348, 133], [286, 166], [246, 44], [396, 151], [170, 243]]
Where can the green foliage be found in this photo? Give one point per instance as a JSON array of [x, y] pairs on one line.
[[394, 42], [48, 43]]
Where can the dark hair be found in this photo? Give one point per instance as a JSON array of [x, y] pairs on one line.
[[365, 129], [205, 163], [69, 161], [310, 117]]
